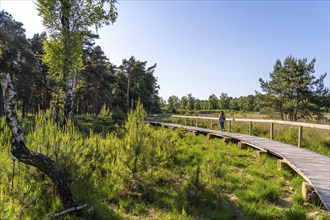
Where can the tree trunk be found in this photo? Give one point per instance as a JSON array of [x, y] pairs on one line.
[[96, 108], [46, 99], [68, 96], [24, 155], [1, 104], [23, 111], [67, 67]]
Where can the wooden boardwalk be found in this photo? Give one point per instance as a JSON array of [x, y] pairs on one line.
[[313, 167]]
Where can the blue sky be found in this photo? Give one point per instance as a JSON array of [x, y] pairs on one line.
[[208, 47]]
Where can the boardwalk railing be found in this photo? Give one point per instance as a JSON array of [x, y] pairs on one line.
[[313, 167], [271, 123]]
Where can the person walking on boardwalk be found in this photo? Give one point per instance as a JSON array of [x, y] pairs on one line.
[[222, 119]]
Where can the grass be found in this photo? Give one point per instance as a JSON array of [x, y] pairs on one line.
[[256, 183], [317, 140], [142, 172]]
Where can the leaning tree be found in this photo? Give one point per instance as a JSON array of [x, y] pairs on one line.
[[18, 149], [12, 46]]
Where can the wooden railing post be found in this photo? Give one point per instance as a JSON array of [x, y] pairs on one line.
[[300, 133], [271, 133], [272, 123]]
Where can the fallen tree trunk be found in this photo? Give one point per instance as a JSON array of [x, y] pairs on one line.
[[24, 155]]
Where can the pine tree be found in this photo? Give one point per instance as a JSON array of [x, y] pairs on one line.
[[293, 91]]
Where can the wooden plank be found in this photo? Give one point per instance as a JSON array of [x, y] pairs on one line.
[[313, 167], [309, 193], [310, 171], [242, 145], [260, 152], [323, 190], [301, 154], [254, 146], [226, 139]]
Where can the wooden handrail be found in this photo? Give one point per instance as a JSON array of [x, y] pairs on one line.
[[314, 169], [302, 124], [271, 122]]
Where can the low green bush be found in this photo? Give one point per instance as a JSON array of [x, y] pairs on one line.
[[139, 171]]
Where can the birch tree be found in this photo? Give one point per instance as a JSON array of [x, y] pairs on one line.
[[19, 150], [67, 23]]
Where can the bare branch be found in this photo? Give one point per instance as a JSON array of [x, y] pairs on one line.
[[73, 209]]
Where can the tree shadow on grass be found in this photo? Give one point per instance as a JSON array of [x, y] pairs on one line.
[[196, 202]]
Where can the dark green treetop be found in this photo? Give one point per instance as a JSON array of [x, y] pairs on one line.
[[293, 91]]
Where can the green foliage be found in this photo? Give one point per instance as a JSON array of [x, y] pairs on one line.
[[46, 69], [142, 151], [96, 83], [317, 140], [190, 105], [56, 54], [54, 57], [68, 22], [173, 104], [213, 102], [84, 13], [136, 82], [118, 114], [12, 42], [145, 172], [105, 111], [295, 214], [293, 91], [18, 59], [263, 190], [298, 200]]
